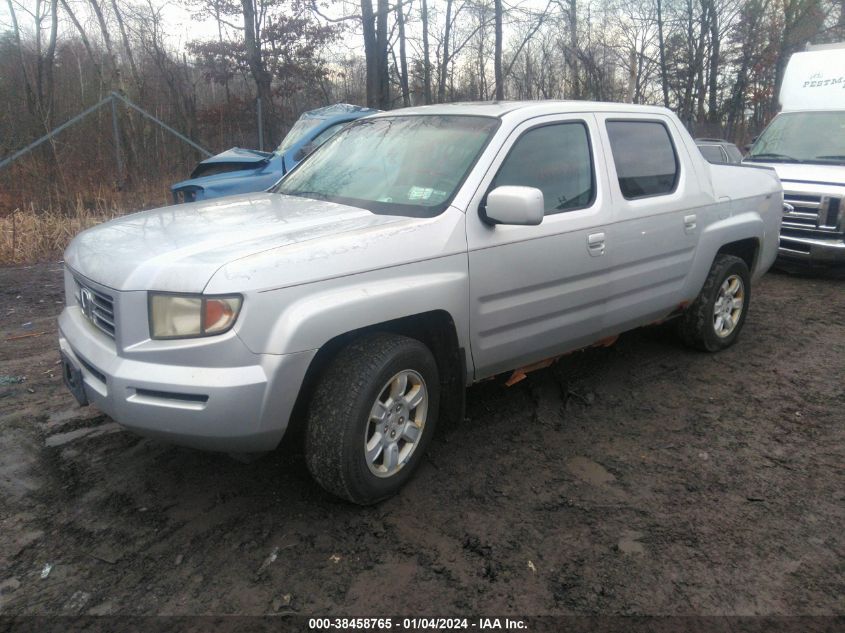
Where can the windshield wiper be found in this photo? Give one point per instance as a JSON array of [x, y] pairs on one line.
[[783, 158], [306, 194], [831, 157]]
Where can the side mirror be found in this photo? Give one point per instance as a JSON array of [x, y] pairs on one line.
[[515, 205]]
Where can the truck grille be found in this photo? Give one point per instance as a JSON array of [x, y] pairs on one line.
[[97, 306], [822, 213]]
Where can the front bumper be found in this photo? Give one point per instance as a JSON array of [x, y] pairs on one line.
[[232, 409], [811, 250]]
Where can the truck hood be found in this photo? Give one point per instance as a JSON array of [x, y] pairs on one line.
[[235, 159], [809, 173], [238, 155], [179, 248]]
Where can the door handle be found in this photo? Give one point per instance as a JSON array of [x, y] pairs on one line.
[[689, 223], [595, 244]]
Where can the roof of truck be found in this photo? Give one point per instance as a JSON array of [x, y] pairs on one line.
[[813, 80], [501, 108], [337, 109]]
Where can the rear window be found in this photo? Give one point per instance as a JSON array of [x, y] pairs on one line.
[[645, 158]]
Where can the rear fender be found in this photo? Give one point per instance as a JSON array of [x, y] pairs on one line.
[[742, 226]]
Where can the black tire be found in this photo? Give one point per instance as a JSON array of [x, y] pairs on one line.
[[339, 415], [696, 326]]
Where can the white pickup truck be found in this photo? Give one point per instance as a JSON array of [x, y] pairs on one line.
[[416, 252]]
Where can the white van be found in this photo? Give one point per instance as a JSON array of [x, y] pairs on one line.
[[805, 144]]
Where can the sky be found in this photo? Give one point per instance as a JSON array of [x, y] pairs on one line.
[[182, 28], [180, 25]]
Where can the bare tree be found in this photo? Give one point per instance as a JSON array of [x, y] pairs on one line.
[[127, 48], [83, 36], [403, 56], [664, 79], [49, 61], [116, 74], [257, 66], [443, 69], [497, 57], [28, 91], [802, 21], [374, 25], [426, 53]]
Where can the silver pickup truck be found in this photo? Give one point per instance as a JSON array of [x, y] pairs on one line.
[[415, 253]]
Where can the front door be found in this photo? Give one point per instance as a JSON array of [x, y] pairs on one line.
[[539, 291]]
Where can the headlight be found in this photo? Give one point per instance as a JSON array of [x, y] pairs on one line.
[[187, 194], [187, 316]]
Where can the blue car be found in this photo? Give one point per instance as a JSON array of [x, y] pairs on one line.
[[245, 170]]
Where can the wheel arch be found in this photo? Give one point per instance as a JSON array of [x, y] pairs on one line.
[[731, 235], [748, 250], [436, 329]]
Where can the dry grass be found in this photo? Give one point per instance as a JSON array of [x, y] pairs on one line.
[[29, 236], [34, 232]]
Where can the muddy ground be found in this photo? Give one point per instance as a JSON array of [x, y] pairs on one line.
[[639, 479]]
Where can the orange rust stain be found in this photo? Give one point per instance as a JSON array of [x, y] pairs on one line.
[[683, 305], [606, 342], [518, 375]]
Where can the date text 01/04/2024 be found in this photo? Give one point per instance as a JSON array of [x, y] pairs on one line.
[[415, 624]]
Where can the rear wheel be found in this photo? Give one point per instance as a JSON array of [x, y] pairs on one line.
[[714, 320], [371, 417]]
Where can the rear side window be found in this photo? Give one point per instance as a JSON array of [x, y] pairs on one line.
[[734, 155], [555, 159], [645, 158], [713, 153]]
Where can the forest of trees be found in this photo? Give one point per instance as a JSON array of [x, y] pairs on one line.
[[717, 63]]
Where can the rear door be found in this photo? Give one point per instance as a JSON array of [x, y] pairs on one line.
[[538, 291], [655, 227]]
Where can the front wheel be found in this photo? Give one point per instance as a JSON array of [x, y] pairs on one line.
[[714, 320], [371, 417]]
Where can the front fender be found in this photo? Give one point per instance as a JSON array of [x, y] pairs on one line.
[[306, 317]]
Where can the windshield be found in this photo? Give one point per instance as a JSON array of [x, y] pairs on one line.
[[299, 129], [802, 137], [403, 165]]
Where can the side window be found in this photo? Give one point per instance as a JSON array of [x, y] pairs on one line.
[[734, 155], [713, 153], [555, 159], [645, 158], [326, 134]]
